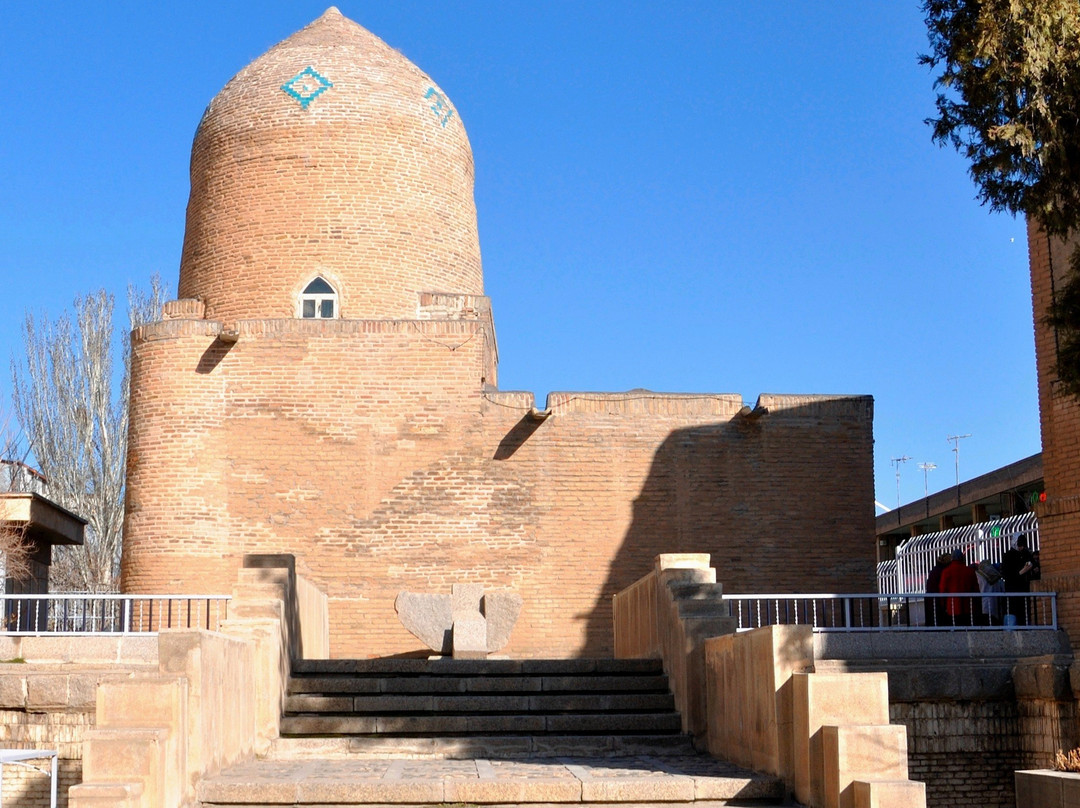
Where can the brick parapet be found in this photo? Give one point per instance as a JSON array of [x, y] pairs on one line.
[[645, 403], [184, 309]]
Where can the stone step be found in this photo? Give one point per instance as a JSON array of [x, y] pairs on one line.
[[689, 780], [703, 608], [477, 667], [473, 683], [451, 703], [696, 591], [571, 723], [479, 746]]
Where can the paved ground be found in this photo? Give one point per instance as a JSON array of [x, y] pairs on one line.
[[644, 779]]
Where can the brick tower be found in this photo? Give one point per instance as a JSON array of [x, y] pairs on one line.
[[330, 156], [325, 386]]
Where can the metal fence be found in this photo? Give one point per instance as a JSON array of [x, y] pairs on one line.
[[826, 612], [985, 541], [109, 614]]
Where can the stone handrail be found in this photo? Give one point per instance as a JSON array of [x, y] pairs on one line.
[[216, 698], [826, 734], [668, 614], [634, 611]]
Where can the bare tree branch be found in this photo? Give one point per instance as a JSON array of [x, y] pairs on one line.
[[15, 475], [72, 408]]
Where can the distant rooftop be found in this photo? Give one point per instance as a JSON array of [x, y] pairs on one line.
[[45, 521], [1006, 491]]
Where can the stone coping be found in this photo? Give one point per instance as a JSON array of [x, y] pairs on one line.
[[123, 649], [930, 645], [642, 779]]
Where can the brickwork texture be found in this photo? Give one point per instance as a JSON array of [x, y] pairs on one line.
[[376, 446], [1059, 515], [57, 729]]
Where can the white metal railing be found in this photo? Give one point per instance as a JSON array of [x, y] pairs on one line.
[[992, 611], [984, 541], [86, 613]]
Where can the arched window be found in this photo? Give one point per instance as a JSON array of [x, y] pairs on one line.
[[318, 301]]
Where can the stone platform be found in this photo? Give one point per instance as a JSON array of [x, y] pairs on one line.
[[679, 779]]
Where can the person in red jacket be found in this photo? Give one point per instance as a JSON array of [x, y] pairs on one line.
[[959, 578]]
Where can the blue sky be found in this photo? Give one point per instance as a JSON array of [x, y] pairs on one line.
[[702, 196]]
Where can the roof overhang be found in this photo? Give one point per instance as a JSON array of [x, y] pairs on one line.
[[45, 521], [958, 500]]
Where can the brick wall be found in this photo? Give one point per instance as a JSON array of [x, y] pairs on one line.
[[965, 752], [59, 728], [376, 452], [1059, 516]]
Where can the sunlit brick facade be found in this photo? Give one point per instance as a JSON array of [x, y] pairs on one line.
[[361, 428]]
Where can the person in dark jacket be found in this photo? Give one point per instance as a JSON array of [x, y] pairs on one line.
[[959, 579], [935, 607], [1017, 566]]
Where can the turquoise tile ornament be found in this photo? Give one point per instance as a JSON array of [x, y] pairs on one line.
[[441, 107], [306, 86]]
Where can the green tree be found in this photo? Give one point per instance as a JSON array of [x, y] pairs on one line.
[[72, 408], [1009, 101]]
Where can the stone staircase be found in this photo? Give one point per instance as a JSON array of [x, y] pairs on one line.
[[422, 732], [465, 708]]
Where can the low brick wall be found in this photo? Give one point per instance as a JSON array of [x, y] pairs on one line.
[[48, 702], [965, 752]]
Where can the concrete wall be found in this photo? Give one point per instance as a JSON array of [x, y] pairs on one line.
[[378, 453]]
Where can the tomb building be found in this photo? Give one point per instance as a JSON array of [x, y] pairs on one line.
[[326, 385]]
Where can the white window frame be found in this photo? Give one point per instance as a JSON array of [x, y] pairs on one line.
[[318, 298]]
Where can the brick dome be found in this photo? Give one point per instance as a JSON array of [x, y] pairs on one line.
[[333, 156]]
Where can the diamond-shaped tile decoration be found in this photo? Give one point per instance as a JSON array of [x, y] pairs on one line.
[[306, 86]]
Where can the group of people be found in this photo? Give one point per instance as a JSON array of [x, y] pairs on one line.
[[952, 575]]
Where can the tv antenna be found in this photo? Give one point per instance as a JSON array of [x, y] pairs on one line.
[[898, 461], [955, 439], [926, 468]]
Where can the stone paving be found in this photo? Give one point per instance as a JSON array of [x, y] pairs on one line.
[[343, 781]]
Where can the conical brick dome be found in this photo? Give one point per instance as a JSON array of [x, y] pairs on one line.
[[332, 156]]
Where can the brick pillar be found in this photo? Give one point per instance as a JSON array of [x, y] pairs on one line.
[[1059, 515]]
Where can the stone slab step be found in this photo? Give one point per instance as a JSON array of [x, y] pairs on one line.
[[687, 590], [478, 667], [478, 703], [570, 683], [687, 780], [480, 746], [571, 723]]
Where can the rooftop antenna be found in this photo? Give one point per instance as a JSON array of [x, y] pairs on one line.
[[926, 468], [956, 450], [898, 461]]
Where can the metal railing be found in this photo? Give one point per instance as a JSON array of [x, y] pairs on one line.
[[984, 541], [109, 614], [992, 611]]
